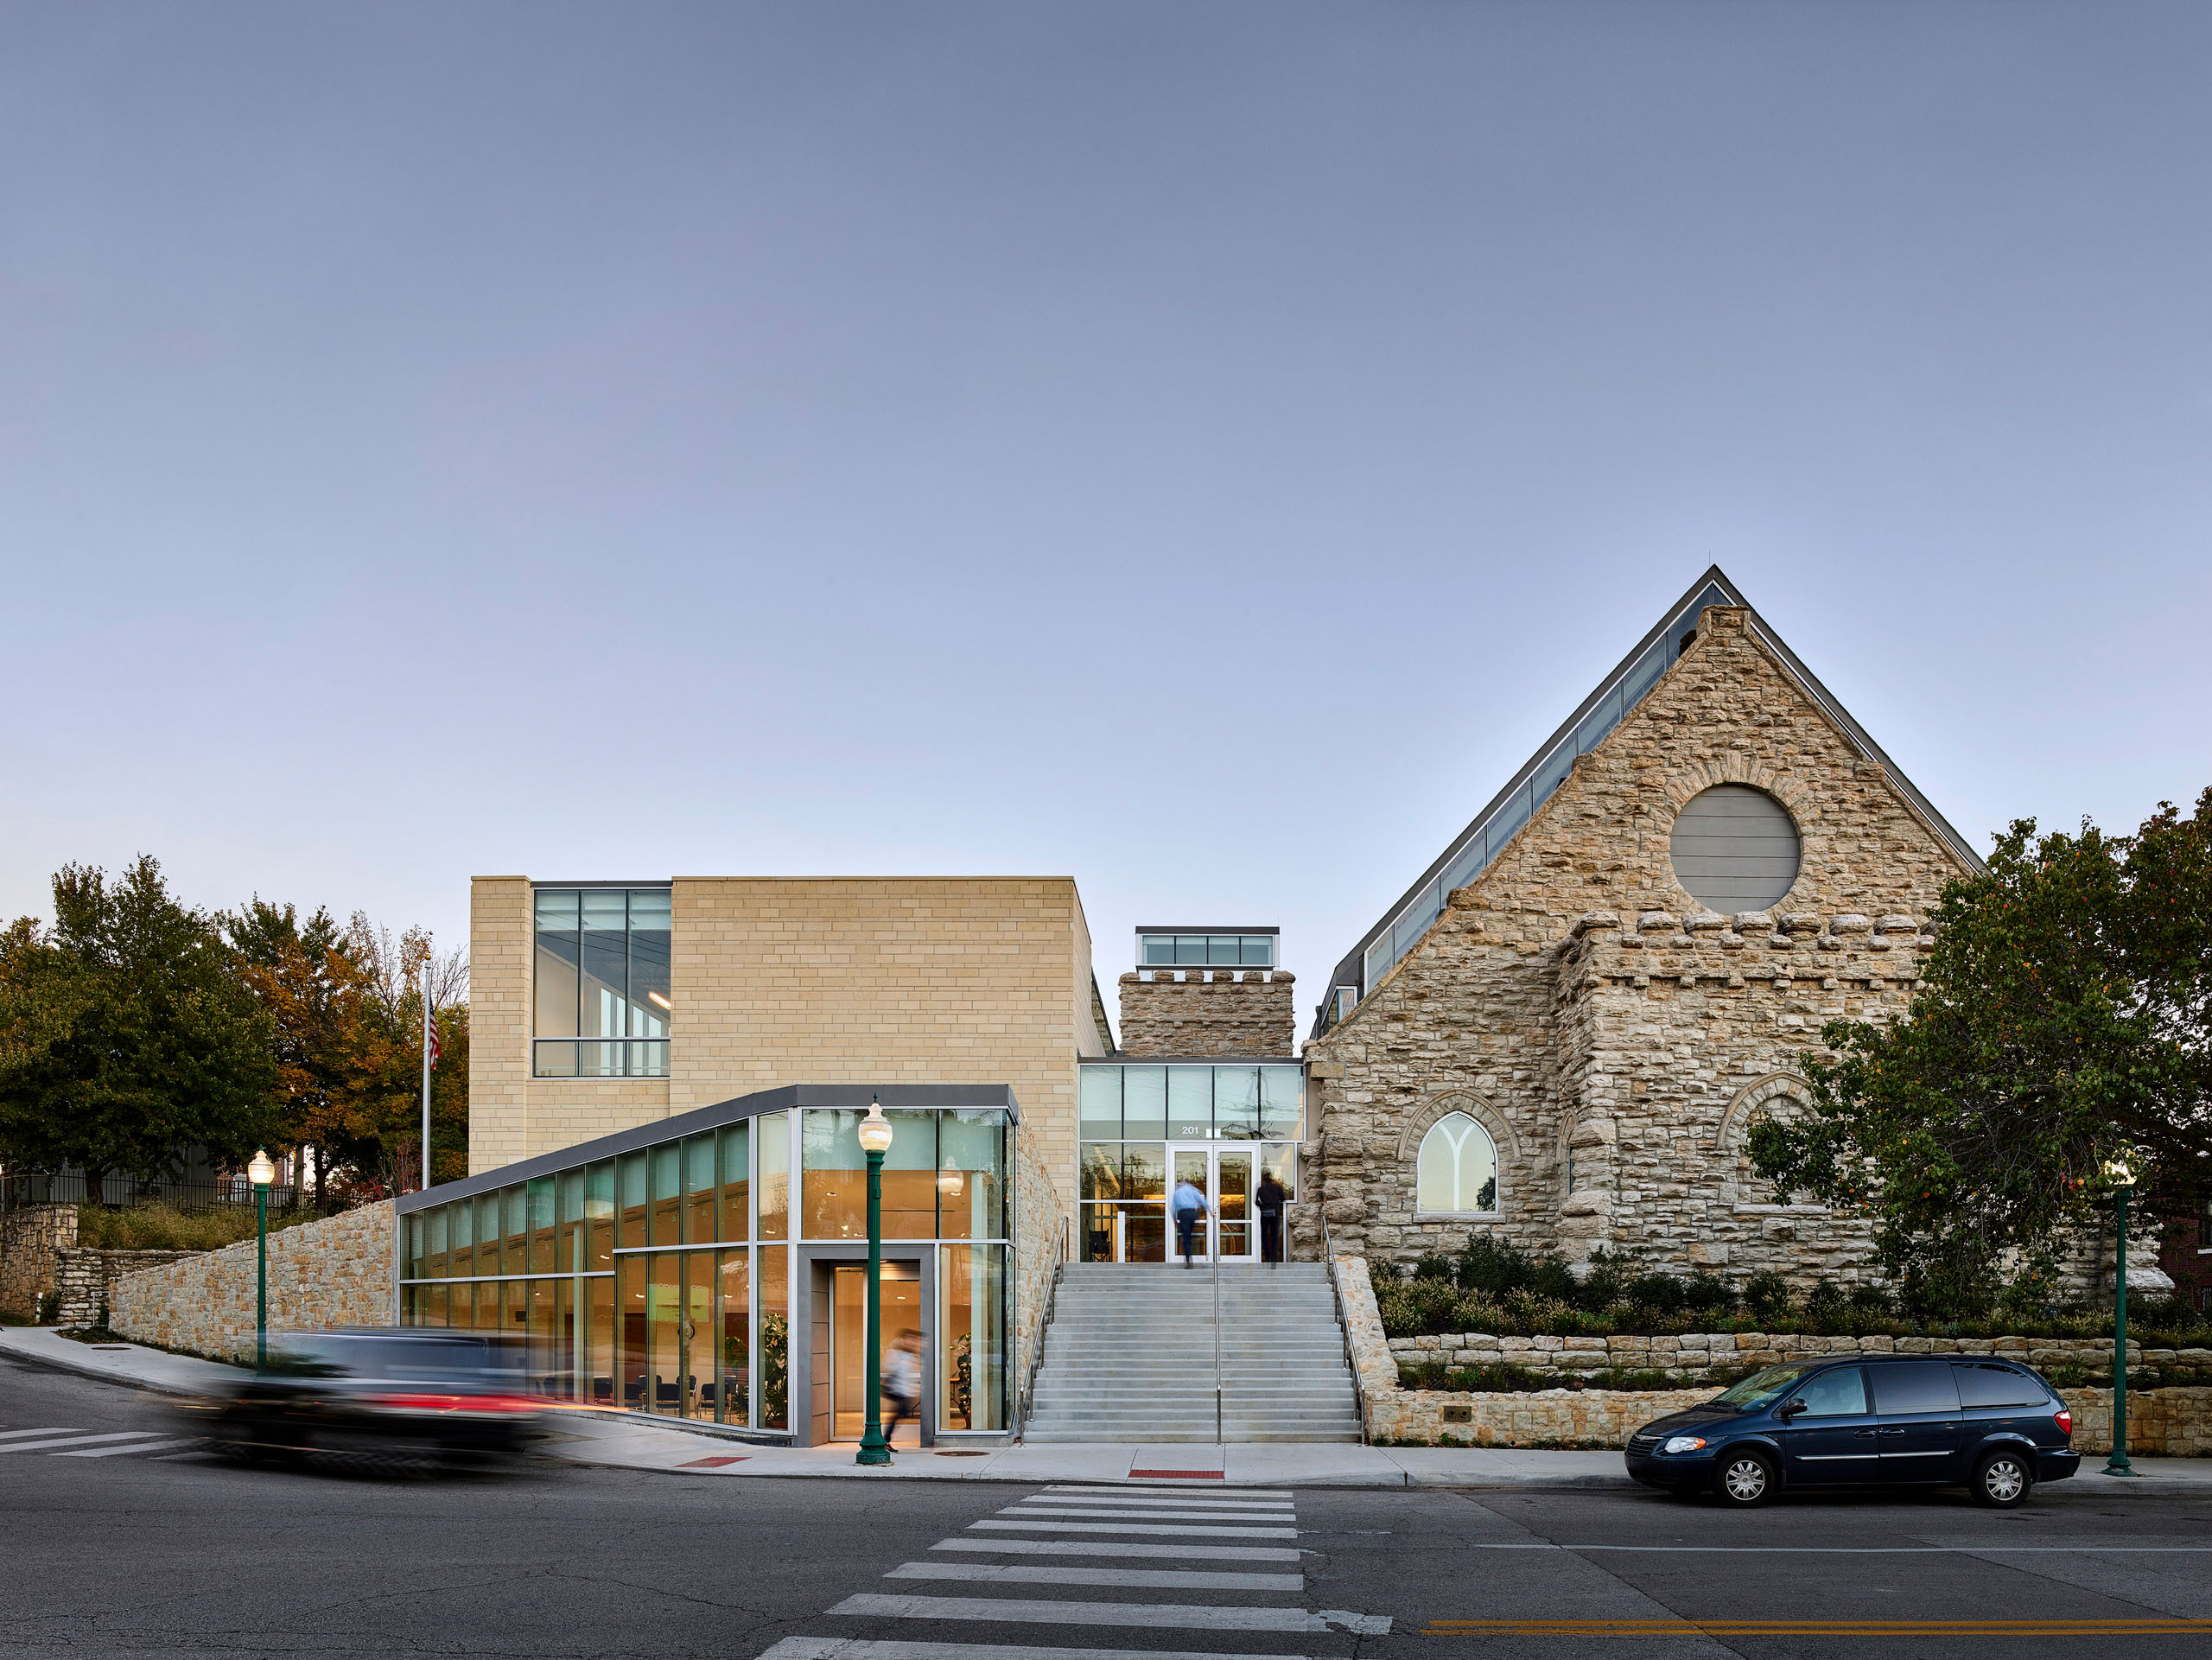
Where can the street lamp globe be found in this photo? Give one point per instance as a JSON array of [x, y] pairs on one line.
[[261, 1172], [875, 1130]]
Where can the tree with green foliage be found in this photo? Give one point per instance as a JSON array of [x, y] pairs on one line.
[[2061, 1024], [126, 1035]]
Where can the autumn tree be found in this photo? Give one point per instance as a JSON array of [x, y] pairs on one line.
[[127, 1037], [2061, 1024]]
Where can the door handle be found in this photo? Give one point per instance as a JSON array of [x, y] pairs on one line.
[[1866, 1435], [1898, 1431]]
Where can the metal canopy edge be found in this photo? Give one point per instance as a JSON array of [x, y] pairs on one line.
[[736, 1111]]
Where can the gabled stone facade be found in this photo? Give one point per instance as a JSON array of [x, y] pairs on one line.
[[1615, 1039]]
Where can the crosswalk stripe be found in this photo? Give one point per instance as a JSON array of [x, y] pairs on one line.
[[1153, 1528], [1147, 1513], [174, 1458], [25, 1434], [83, 1441], [116, 1452], [1174, 1616], [1121, 1547], [856, 1648], [1149, 1502], [1142, 1579], [1200, 1495]]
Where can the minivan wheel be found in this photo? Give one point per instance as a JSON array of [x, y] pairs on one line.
[[1744, 1479], [2001, 1481]]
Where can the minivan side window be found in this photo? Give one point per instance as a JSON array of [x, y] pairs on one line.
[[1987, 1385], [1835, 1394], [1917, 1386]]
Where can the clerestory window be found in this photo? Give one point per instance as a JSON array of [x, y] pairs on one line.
[[601, 997]]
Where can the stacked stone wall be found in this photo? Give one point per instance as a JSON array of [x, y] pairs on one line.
[[86, 1277], [1695, 1352], [31, 1239], [337, 1271], [1617, 1040], [1200, 1012], [2166, 1423], [1040, 1224]]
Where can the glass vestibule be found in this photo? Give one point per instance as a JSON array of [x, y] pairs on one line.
[[661, 1280], [1145, 1127]]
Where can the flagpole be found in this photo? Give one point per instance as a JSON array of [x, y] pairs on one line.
[[426, 1073]]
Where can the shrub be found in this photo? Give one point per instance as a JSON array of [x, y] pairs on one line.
[[1663, 1294], [1826, 1309], [1766, 1294], [164, 1227], [1707, 1294], [1435, 1266], [49, 1307], [1493, 1267]]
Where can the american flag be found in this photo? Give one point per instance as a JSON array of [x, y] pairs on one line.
[[430, 1035]]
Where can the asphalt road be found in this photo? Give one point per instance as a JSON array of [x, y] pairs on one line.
[[149, 1548]]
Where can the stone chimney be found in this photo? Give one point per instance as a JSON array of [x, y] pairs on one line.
[[1186, 1000]]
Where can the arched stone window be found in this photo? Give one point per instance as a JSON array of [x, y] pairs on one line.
[[1457, 1175]]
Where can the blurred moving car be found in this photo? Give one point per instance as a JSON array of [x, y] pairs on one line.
[[1894, 1420], [457, 1398]]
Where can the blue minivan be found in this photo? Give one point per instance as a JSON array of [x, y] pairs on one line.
[[1888, 1421]]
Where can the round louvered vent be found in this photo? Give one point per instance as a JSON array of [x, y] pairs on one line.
[[1735, 848]]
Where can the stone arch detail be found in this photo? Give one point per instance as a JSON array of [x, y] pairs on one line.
[[1730, 1163], [1438, 1107]]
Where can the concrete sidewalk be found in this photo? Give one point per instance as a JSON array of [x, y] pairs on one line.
[[617, 1440]]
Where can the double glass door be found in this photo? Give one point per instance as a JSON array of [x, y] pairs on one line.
[[1224, 1174]]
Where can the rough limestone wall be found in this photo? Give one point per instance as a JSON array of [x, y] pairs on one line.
[[30, 1241], [86, 1277], [1631, 1059], [1193, 1012], [2167, 1422], [1694, 1351], [1039, 1219], [339, 1271]]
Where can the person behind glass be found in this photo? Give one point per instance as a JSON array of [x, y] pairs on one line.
[[1268, 1201], [1188, 1204], [902, 1381]]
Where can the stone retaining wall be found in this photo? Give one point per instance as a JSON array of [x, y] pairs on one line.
[[86, 1277], [29, 1237], [2168, 1422], [1217, 1012], [1692, 1352], [338, 1271]]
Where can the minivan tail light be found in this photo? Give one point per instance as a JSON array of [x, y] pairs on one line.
[[2065, 1421]]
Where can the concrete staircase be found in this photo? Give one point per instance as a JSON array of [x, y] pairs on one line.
[[1129, 1356]]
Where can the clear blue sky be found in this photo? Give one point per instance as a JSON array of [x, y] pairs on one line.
[[1201, 449]]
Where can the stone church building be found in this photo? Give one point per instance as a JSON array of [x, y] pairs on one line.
[[1563, 1033]]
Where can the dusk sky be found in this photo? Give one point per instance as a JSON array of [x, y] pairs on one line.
[[1202, 448]]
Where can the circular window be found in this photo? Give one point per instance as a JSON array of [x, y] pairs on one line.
[[1735, 848]]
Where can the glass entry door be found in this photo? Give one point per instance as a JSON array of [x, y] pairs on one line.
[[1225, 1176], [902, 1312]]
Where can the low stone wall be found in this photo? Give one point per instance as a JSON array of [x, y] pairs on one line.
[[29, 1237], [1695, 1353], [338, 1271], [86, 1277], [1039, 1223], [2167, 1422]]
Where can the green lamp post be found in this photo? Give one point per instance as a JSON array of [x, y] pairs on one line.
[[2124, 1179], [262, 1172], [875, 1142]]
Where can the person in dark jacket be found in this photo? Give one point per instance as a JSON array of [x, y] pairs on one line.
[[1270, 1201]]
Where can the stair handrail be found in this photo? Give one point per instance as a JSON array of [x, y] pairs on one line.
[[1037, 1337], [1343, 1326]]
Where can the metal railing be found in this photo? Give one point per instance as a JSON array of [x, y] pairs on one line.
[[1343, 1326], [20, 1189], [1037, 1334]]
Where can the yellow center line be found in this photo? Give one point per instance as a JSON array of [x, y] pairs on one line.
[[1784, 1626]]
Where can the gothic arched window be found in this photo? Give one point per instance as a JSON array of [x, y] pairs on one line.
[[1457, 1170]]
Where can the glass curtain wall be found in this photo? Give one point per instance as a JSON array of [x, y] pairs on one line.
[[1129, 1115], [600, 971], [661, 1280]]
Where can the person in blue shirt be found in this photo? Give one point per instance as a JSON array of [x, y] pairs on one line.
[[1186, 1206]]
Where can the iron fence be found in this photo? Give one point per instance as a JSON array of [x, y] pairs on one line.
[[200, 1192]]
